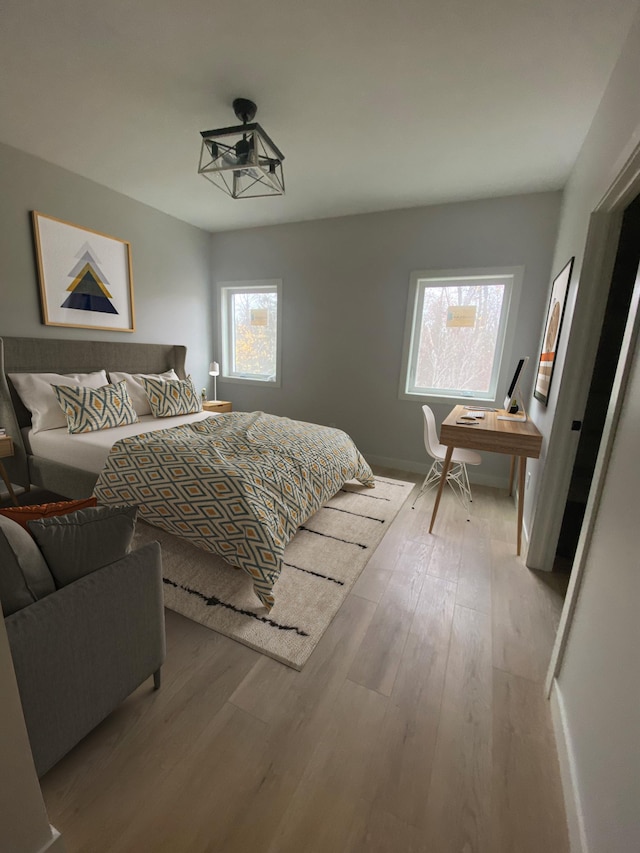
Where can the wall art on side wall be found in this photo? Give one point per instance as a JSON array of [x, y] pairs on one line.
[[552, 329], [85, 277]]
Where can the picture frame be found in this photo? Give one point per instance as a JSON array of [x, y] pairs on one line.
[[85, 277], [552, 330]]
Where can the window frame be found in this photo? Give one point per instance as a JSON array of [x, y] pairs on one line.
[[506, 332], [226, 289]]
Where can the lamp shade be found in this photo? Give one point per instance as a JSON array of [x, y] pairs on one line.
[[214, 369]]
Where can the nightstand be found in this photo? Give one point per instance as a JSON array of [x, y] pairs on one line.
[[217, 406], [6, 449]]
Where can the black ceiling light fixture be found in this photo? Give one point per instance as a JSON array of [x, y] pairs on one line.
[[243, 161]]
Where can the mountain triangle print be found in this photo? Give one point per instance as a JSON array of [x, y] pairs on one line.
[[88, 288]]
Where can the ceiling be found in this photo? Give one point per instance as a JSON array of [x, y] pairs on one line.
[[376, 104]]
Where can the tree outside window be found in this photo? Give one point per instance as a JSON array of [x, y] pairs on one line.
[[255, 333], [250, 330], [458, 326]]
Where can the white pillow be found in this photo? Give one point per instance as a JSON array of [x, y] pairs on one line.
[[36, 393], [136, 388]]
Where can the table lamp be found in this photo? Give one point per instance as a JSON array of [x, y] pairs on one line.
[[214, 370]]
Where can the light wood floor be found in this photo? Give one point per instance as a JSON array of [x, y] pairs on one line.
[[418, 725]]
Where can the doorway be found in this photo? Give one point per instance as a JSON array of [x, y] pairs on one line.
[[611, 336]]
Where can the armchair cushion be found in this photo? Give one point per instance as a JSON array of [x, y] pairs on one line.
[[79, 543], [24, 576]]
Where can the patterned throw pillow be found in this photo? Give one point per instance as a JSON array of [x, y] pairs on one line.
[[172, 397], [88, 410], [34, 389], [136, 388]]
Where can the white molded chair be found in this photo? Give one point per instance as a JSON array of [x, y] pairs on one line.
[[457, 476]]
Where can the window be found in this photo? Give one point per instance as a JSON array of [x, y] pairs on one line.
[[456, 330], [250, 330]]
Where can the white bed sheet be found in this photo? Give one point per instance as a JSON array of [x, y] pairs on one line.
[[89, 450]]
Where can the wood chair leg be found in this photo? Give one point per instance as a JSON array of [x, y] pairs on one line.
[[7, 483]]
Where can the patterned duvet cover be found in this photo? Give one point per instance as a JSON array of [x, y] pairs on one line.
[[239, 484]]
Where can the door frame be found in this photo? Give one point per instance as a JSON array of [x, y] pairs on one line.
[[597, 266], [599, 258]]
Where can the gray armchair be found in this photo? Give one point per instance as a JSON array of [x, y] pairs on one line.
[[79, 651]]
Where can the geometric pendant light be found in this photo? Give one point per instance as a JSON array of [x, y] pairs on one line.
[[242, 161]]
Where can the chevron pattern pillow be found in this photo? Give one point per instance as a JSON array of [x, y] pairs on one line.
[[89, 409], [171, 397]]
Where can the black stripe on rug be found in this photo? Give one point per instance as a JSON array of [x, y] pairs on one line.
[[358, 514], [315, 574], [364, 495], [390, 483], [213, 601], [337, 538]]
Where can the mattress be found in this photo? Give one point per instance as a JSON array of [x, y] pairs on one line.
[[89, 450]]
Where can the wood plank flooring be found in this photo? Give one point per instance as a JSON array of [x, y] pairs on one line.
[[418, 725]]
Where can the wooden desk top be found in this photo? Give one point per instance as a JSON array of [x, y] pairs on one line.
[[517, 438]]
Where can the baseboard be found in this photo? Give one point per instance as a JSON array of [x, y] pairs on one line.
[[400, 464], [568, 776], [55, 844], [421, 468], [525, 536]]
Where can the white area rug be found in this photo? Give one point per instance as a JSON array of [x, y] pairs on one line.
[[322, 562]]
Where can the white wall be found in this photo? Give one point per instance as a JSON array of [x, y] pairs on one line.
[[170, 259], [598, 683], [612, 136], [345, 292]]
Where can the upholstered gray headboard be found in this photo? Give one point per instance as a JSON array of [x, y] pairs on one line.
[[45, 355]]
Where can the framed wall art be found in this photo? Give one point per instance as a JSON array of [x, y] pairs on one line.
[[85, 277], [552, 329]]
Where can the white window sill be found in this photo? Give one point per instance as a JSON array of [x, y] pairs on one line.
[[241, 380], [452, 399]]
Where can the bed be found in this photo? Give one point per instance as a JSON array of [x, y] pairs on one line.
[[41, 355], [238, 485]]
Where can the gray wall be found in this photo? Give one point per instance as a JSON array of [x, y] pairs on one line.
[[345, 292], [170, 259]]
